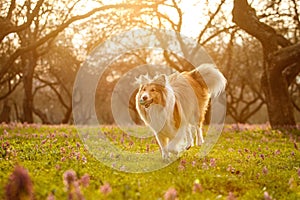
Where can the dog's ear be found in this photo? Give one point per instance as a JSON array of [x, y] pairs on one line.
[[142, 79], [160, 79]]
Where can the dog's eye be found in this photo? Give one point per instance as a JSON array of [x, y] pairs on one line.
[[153, 90], [144, 89]]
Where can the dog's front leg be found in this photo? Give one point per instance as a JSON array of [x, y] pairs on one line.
[[199, 136], [162, 142], [189, 137], [174, 145]]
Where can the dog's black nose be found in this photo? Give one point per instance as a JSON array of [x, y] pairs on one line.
[[144, 98]]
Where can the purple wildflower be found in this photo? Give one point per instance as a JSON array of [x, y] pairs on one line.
[[277, 152], [171, 194], [131, 143], [183, 162], [230, 169], [85, 180], [265, 170], [77, 155], [204, 165], [182, 165], [231, 196], [19, 185], [197, 187], [70, 181], [62, 150], [105, 189], [194, 163], [77, 192], [69, 177], [262, 156], [84, 159], [213, 162], [51, 196], [44, 141], [267, 196], [57, 167]]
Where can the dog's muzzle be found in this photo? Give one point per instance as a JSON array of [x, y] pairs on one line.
[[146, 103]]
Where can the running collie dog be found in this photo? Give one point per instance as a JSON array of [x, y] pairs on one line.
[[174, 105]]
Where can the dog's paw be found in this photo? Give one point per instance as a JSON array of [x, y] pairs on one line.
[[166, 157], [173, 150]]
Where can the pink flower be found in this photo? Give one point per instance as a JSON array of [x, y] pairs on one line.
[[84, 159], [230, 169], [265, 170], [51, 196], [298, 172], [194, 163], [69, 177], [105, 189], [19, 185], [76, 194], [197, 187], [204, 166], [277, 152], [85, 180], [213, 162], [171, 194], [182, 165], [231, 196], [267, 196], [44, 141]]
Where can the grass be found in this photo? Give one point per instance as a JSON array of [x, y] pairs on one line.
[[248, 162]]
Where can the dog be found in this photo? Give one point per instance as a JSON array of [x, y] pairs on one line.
[[174, 105]]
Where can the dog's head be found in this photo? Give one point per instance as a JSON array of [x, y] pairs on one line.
[[151, 91]]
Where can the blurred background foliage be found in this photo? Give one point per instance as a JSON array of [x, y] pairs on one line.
[[43, 44]]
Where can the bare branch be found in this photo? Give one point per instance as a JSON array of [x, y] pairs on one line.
[[19, 28], [208, 24]]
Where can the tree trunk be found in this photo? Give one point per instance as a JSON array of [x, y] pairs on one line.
[[280, 110], [5, 114], [29, 62], [273, 82]]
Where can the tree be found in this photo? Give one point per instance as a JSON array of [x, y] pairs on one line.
[[280, 54], [32, 26], [243, 66]]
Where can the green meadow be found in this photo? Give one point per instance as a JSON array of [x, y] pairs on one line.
[[247, 162]]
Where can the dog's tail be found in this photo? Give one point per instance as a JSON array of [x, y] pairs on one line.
[[213, 78]]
